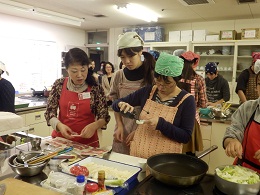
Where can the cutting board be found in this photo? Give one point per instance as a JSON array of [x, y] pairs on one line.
[[15, 186]]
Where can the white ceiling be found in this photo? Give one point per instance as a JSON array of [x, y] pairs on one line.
[[171, 11]]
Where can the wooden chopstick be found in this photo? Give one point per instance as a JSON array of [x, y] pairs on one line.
[[43, 158]]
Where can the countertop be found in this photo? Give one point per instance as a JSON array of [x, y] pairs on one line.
[[6, 171], [35, 104]]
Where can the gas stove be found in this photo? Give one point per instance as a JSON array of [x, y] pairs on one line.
[[151, 186]]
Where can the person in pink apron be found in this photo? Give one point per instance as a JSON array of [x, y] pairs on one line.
[[194, 84], [80, 101], [138, 72], [241, 140], [245, 88], [168, 112]]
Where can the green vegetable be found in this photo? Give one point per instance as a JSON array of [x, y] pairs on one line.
[[238, 174], [117, 182]]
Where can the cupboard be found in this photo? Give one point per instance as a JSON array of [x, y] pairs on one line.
[[233, 56]]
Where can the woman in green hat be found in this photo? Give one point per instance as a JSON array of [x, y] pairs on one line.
[[167, 114]]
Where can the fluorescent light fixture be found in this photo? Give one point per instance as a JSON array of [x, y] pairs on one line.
[[55, 16], [47, 14], [138, 11]]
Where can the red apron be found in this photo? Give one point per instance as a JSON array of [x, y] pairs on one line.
[[76, 114], [250, 145]]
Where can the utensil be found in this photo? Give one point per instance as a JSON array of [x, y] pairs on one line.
[[178, 169], [51, 155], [2, 189], [231, 188], [31, 170]]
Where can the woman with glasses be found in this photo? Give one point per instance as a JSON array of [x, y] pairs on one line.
[[107, 79], [138, 72], [167, 117], [217, 87], [81, 102]]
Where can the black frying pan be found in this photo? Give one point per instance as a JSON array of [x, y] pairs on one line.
[[178, 169]]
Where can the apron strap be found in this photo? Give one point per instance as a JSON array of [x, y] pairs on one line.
[[183, 98], [152, 92]]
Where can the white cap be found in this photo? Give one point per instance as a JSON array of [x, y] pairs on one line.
[[3, 68], [257, 66], [129, 39]]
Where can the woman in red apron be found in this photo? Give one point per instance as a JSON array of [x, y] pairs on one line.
[[138, 72], [80, 101], [241, 140], [168, 111]]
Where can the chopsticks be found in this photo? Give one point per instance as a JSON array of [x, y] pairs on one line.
[[225, 106], [50, 155]]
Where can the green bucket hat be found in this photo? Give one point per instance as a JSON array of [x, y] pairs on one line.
[[169, 65]]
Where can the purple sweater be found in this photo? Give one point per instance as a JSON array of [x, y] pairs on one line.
[[181, 128]]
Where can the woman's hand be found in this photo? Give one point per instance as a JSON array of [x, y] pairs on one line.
[[119, 133], [233, 148], [129, 138], [257, 155], [125, 107], [89, 130], [64, 130], [152, 121]]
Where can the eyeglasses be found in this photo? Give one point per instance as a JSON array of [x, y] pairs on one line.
[[164, 86]]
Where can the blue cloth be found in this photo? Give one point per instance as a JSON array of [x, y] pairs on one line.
[[211, 67]]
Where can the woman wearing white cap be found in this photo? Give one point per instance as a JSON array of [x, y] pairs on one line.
[[138, 72], [7, 92], [168, 112]]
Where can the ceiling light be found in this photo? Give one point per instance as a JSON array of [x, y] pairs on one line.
[[47, 14], [138, 11]]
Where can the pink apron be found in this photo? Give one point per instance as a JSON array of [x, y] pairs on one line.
[[127, 87], [147, 140], [76, 114]]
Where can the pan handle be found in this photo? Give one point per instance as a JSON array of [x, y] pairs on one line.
[[207, 151]]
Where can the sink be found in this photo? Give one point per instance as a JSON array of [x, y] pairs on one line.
[[19, 137]]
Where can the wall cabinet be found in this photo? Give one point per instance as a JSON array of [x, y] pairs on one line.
[[233, 56]]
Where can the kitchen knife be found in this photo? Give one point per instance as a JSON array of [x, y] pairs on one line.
[[2, 189]]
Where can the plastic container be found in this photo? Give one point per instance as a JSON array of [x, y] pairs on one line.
[[91, 188], [80, 185]]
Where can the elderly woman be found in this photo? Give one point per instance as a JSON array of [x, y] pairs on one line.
[[167, 114], [81, 102]]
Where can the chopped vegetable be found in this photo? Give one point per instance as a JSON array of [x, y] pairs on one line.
[[118, 182], [238, 174]]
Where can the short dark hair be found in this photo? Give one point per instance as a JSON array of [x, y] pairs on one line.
[[104, 67], [76, 55]]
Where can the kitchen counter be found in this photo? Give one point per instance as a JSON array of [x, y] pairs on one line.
[[6, 171], [35, 104]]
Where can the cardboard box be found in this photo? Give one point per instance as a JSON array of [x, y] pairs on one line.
[[133, 29], [151, 34], [212, 37], [199, 35], [186, 35], [227, 35], [250, 33], [175, 36]]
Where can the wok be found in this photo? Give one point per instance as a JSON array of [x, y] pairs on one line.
[[178, 169]]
